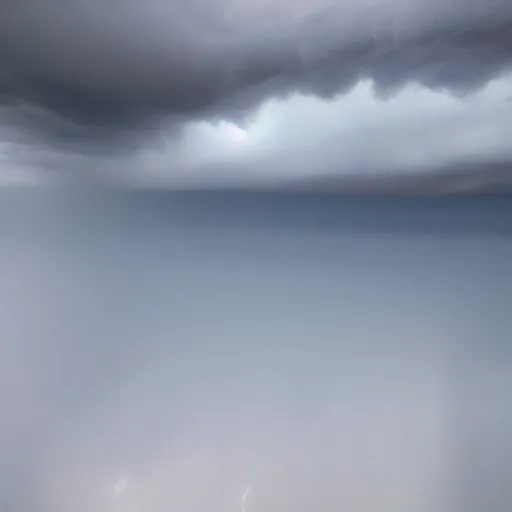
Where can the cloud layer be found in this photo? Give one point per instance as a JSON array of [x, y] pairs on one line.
[[82, 77]]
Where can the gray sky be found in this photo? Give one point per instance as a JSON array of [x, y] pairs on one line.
[[162, 353], [209, 92]]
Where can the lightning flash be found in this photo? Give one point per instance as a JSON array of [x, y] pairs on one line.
[[244, 497]]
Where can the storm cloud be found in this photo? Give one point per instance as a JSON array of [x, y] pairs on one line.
[[89, 78]]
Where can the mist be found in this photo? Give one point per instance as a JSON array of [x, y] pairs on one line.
[[164, 352]]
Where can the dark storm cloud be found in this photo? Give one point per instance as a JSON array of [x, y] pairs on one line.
[[125, 65]]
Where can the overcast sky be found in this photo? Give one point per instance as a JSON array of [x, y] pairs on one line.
[[204, 91], [162, 352]]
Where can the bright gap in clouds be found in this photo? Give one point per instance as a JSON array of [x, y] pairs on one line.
[[413, 131], [234, 133]]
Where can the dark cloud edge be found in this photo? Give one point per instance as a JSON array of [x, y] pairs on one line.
[[465, 178], [459, 61], [492, 178]]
